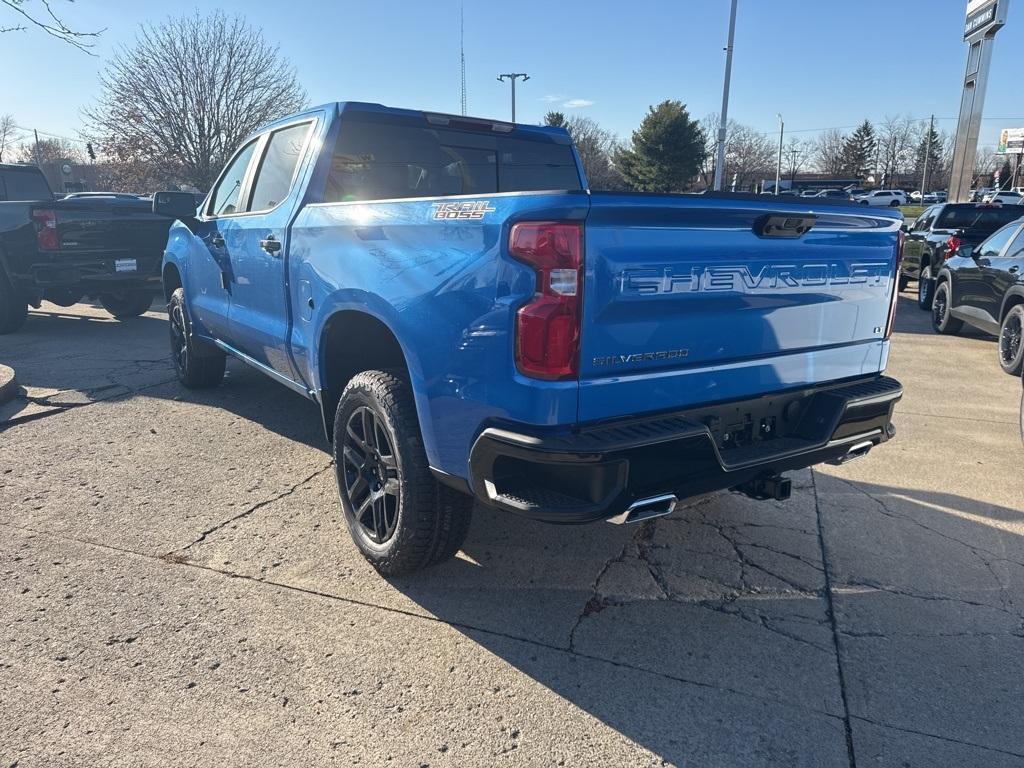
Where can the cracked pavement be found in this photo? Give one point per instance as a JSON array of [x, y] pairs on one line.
[[177, 587]]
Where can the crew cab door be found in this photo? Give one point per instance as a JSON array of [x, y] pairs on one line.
[[1002, 272], [973, 295], [210, 277], [260, 314], [915, 244]]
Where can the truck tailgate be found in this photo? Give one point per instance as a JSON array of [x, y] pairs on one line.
[[110, 227], [687, 301]]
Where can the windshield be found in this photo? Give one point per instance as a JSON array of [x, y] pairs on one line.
[[972, 217]]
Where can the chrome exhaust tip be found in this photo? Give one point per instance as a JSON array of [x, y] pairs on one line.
[[645, 509], [857, 451]]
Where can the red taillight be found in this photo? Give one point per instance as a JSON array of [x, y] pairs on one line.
[[46, 229], [548, 326], [900, 240], [952, 246]]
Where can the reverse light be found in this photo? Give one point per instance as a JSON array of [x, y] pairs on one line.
[[900, 240], [548, 326], [45, 220]]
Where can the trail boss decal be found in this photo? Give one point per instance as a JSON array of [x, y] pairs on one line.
[[471, 210]]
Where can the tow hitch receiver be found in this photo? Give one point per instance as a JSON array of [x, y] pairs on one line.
[[774, 487]]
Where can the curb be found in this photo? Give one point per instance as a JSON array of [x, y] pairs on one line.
[[8, 386]]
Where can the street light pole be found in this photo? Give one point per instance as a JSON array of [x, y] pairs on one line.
[[927, 154], [513, 76], [720, 161], [778, 168]]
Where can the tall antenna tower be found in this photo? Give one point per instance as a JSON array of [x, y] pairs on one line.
[[462, 51]]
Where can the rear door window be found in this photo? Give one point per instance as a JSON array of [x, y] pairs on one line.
[[277, 168], [992, 247], [26, 184], [393, 157]]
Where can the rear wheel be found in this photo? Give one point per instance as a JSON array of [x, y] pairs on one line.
[[13, 306], [942, 320], [198, 365], [399, 516], [894, 204], [924, 288], [127, 303], [902, 282], [1011, 346]]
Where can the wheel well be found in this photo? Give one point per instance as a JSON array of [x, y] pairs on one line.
[[1011, 302], [353, 342], [172, 280]]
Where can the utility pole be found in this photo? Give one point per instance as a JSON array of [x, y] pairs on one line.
[[35, 149], [462, 52], [720, 161], [513, 76], [778, 168], [927, 154]]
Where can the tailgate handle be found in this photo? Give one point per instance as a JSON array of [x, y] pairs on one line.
[[783, 225]]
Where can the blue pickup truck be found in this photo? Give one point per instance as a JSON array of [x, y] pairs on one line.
[[474, 322]]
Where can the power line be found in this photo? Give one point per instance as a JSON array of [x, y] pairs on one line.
[[50, 135]]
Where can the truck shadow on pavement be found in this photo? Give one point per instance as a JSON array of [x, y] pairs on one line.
[[712, 635]]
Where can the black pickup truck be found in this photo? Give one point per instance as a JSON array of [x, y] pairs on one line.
[[943, 231], [107, 247]]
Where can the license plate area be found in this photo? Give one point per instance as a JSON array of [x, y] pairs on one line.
[[126, 265]]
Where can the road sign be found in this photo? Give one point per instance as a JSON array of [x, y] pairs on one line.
[[1011, 141]]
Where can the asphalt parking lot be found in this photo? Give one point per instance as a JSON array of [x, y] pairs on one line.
[[177, 588]]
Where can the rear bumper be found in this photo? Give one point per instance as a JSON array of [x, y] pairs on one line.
[[598, 471], [90, 272]]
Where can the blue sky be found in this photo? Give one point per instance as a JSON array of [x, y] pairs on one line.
[[822, 63]]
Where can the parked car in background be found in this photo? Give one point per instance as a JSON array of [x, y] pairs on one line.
[[107, 246], [473, 322], [943, 231], [833, 194], [915, 196], [934, 197], [985, 289], [1004, 197], [978, 195], [882, 197]]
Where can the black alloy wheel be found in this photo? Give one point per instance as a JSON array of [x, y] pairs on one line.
[[1011, 341], [372, 474]]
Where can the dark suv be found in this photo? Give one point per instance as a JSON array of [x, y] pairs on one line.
[[986, 290], [943, 231]]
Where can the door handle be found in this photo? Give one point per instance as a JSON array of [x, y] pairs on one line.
[[271, 245], [217, 241], [1014, 269]]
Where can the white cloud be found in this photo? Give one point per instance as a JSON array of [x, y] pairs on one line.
[[551, 98], [577, 103]]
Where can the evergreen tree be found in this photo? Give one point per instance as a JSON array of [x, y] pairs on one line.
[[666, 151], [556, 119], [859, 150], [935, 170]]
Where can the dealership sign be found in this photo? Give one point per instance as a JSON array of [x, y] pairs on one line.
[[983, 16], [1011, 140]]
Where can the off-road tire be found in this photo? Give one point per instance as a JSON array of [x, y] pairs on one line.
[[428, 521], [942, 320], [128, 303], [198, 365], [1011, 345], [902, 282], [925, 288], [13, 306]]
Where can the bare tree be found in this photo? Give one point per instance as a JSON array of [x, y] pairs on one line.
[[596, 146], [49, 22], [181, 100], [749, 154], [795, 157], [48, 151], [9, 134], [827, 152], [895, 151]]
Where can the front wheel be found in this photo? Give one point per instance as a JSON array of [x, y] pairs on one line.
[[126, 303], [1011, 347], [924, 288], [942, 320], [902, 282], [894, 204], [198, 366], [399, 516]]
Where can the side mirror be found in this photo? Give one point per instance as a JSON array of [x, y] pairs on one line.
[[904, 228], [175, 205]]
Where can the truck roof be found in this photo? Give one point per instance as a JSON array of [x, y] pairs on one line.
[[337, 108]]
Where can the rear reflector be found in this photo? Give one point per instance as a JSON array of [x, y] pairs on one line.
[[548, 326], [45, 220]]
